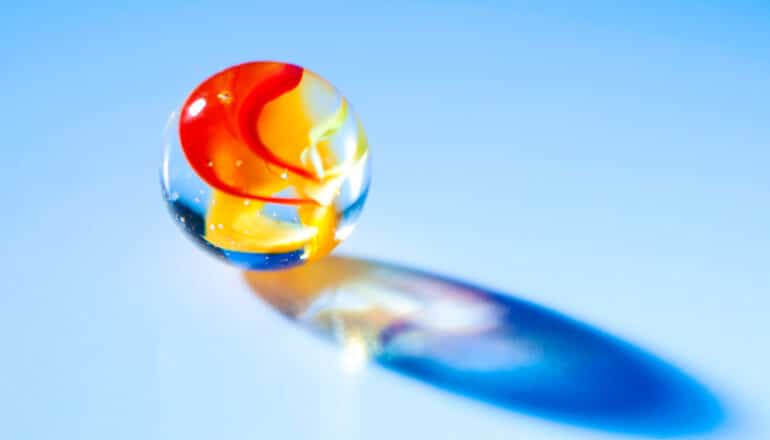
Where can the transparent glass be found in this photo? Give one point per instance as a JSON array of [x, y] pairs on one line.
[[266, 166]]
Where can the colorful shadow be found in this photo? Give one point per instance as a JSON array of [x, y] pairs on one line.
[[489, 346]]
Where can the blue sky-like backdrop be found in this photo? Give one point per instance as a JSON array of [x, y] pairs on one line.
[[606, 159]]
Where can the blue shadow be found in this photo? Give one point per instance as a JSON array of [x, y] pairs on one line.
[[492, 347]]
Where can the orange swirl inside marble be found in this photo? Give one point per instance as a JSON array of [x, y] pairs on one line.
[[271, 133]]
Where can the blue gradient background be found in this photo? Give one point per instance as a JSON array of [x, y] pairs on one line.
[[608, 160]]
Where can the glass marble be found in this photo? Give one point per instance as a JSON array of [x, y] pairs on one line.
[[266, 165]]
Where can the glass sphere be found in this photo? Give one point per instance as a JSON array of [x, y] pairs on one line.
[[266, 165]]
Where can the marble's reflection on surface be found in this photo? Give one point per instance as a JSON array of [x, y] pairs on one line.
[[489, 346]]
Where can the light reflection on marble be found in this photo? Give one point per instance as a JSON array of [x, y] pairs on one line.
[[489, 346]]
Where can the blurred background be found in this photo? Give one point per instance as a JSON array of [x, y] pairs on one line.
[[607, 160]]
